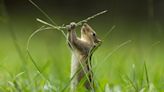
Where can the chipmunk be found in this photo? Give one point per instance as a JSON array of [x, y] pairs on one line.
[[81, 57]]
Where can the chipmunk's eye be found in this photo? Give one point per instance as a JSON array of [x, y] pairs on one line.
[[93, 34]]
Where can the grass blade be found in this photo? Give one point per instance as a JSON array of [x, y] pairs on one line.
[[118, 47], [131, 82], [33, 61], [146, 73], [111, 53], [44, 13], [106, 34], [91, 17]]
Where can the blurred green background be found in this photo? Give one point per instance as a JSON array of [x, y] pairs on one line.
[[140, 21]]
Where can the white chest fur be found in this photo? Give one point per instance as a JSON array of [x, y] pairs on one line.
[[75, 63]]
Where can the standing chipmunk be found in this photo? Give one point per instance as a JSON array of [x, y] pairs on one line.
[[81, 57]]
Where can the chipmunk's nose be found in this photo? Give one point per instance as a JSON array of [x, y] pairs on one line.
[[98, 41]]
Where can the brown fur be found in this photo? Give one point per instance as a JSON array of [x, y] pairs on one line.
[[80, 48]]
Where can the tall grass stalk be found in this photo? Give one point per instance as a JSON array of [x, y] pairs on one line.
[[132, 83], [108, 32], [146, 75], [111, 53], [44, 13]]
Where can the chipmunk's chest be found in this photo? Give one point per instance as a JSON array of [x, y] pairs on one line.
[[79, 56]]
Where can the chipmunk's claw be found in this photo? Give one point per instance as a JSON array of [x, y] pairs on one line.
[[71, 26]]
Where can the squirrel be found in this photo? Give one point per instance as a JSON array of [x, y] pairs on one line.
[[81, 58]]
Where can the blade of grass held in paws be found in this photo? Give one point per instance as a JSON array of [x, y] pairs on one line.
[[91, 17], [48, 24]]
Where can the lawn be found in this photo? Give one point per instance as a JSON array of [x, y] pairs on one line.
[[130, 58]]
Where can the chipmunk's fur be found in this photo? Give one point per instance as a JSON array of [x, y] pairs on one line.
[[80, 48]]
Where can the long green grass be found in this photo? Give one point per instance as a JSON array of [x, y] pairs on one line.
[[127, 69], [125, 62]]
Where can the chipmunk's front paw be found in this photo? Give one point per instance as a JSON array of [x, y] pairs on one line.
[[71, 26]]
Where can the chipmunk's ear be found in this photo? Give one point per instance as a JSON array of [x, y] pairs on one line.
[[85, 24], [85, 28]]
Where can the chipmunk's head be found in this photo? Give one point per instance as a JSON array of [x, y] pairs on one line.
[[89, 35]]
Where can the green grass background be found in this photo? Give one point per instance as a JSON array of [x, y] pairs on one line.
[[116, 68]]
